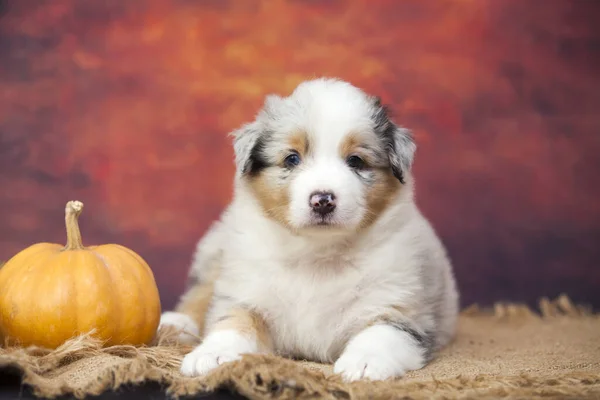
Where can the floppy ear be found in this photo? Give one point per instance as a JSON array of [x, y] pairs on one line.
[[399, 143], [250, 140], [402, 153], [249, 148]]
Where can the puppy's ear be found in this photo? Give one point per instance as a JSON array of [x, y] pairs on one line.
[[401, 152], [248, 146], [399, 143], [250, 140]]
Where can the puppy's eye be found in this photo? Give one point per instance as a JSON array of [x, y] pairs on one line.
[[292, 160], [355, 162]]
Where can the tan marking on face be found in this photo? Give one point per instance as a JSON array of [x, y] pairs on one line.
[[271, 193], [247, 323], [362, 146], [298, 141], [385, 185], [350, 145], [380, 194], [273, 198]]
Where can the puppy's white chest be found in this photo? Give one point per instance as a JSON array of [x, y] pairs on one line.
[[309, 313]]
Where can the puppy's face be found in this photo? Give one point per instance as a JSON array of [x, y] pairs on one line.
[[325, 158]]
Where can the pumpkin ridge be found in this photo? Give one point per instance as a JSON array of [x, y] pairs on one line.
[[139, 286], [75, 294], [17, 283], [63, 272], [140, 276], [147, 271], [115, 264], [133, 274], [141, 294], [117, 308]]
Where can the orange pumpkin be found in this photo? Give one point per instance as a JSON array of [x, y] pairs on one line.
[[50, 293]]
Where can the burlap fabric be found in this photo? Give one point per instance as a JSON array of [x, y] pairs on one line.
[[508, 351]]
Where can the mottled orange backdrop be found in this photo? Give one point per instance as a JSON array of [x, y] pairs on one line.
[[126, 105]]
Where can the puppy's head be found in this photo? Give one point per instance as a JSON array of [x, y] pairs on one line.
[[325, 158]]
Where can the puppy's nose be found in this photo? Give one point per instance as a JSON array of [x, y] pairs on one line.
[[322, 202]]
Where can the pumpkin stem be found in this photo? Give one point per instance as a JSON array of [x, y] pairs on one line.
[[72, 212]]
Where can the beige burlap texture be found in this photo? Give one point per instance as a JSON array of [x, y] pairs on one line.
[[509, 351]]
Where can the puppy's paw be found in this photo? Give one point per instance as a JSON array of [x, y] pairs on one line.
[[202, 360], [353, 366], [378, 353], [184, 324], [218, 348]]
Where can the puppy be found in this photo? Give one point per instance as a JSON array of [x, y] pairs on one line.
[[322, 253]]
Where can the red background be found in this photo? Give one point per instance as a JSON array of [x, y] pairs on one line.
[[126, 105]]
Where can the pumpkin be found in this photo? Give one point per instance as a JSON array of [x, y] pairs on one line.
[[50, 293]]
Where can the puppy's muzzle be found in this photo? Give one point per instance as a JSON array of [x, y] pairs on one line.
[[322, 203]]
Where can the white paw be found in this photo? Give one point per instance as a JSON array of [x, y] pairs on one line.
[[218, 348], [188, 328], [353, 366], [378, 353]]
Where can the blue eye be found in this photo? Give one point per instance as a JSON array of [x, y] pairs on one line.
[[292, 160], [355, 162]]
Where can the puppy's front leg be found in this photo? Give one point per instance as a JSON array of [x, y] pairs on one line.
[[239, 332], [189, 314], [381, 351]]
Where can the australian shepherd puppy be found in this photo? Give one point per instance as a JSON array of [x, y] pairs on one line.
[[322, 254]]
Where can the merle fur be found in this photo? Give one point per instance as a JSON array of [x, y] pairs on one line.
[[424, 340], [386, 130], [257, 161]]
